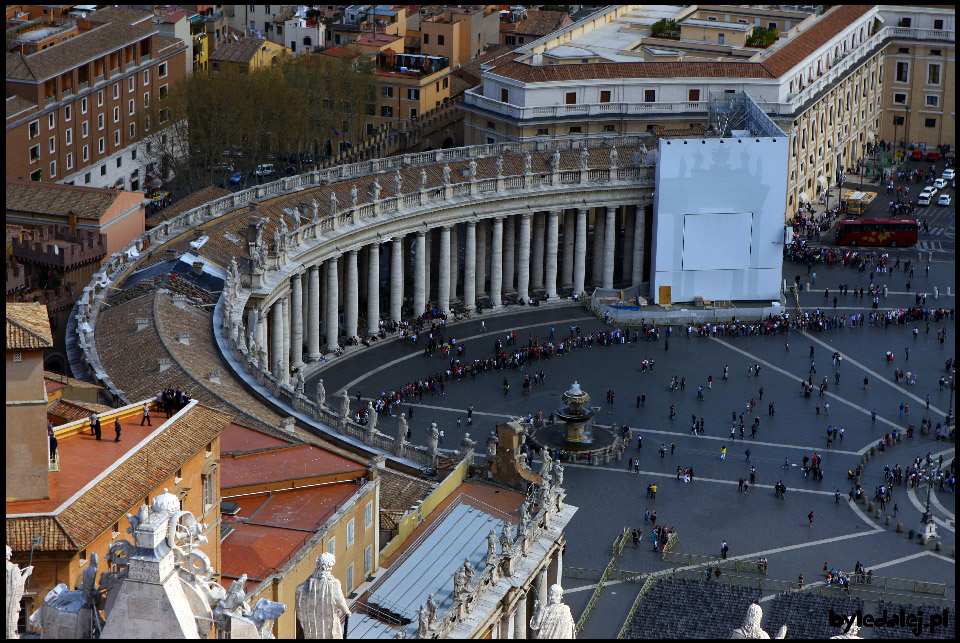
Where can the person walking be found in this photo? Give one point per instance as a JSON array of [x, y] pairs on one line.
[[672, 448], [52, 439], [748, 454], [724, 549], [116, 428], [95, 425], [810, 518], [723, 452], [146, 414]]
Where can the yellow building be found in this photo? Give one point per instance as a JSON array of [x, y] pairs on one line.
[[459, 34], [246, 54]]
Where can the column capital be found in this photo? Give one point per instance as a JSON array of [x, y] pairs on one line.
[[353, 252]]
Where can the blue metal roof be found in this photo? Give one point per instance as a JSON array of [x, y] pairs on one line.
[[362, 626]]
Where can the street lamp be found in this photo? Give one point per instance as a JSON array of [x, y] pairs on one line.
[[928, 528], [949, 419]]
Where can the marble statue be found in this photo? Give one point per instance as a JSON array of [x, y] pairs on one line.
[[354, 193], [372, 417], [468, 571], [263, 358], [527, 163], [584, 157], [558, 477], [423, 621], [636, 158], [277, 241], [459, 584], [492, 548], [301, 381], [466, 445], [315, 210], [506, 539], [473, 170], [259, 257], [491, 448], [344, 406], [333, 203], [375, 189], [446, 175], [433, 439], [252, 350], [423, 179], [432, 609], [16, 584], [553, 621], [278, 368], [547, 466], [751, 626], [555, 161], [500, 166], [402, 429], [397, 183], [321, 393], [318, 599], [283, 226], [613, 158]]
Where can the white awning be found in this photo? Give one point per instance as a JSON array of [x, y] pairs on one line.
[[803, 197], [822, 180]]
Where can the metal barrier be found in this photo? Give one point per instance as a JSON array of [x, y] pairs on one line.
[[694, 560], [647, 585], [672, 540], [884, 583], [580, 573], [616, 550]]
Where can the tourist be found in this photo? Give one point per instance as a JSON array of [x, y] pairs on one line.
[[116, 428], [146, 414]]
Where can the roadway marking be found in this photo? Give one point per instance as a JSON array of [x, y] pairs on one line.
[[912, 495], [828, 393], [498, 333], [877, 375]]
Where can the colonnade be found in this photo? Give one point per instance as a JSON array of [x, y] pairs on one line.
[[480, 261]]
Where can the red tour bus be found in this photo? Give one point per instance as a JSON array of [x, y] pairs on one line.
[[878, 232]]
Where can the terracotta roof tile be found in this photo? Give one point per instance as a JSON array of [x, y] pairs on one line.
[[17, 105], [795, 50], [541, 23], [550, 73], [192, 200], [28, 326], [241, 51], [51, 198], [72, 410]]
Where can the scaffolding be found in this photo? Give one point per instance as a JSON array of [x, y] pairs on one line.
[[736, 114]]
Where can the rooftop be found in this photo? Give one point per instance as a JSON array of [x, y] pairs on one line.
[[72, 410], [51, 198], [239, 51], [192, 200], [241, 438], [28, 326], [541, 23], [283, 464]]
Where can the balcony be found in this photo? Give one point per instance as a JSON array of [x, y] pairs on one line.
[[411, 64], [474, 98]]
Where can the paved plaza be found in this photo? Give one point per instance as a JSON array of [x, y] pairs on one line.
[[710, 509]]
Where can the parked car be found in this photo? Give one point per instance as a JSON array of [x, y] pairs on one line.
[[265, 169], [916, 155], [237, 178], [219, 167], [933, 156], [940, 184], [944, 199], [948, 174], [290, 171], [303, 157]]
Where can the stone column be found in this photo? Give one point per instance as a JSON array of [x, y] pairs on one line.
[[296, 336], [351, 296], [276, 339], [627, 250], [553, 235], [481, 273], [286, 337], [313, 314], [609, 245], [419, 275], [638, 240], [569, 233], [373, 288], [428, 250], [520, 622], [496, 263], [333, 308], [506, 626], [536, 258], [470, 266], [580, 253], [262, 335], [599, 241], [523, 258], [454, 259], [443, 285], [396, 279], [509, 253], [555, 567], [542, 585]]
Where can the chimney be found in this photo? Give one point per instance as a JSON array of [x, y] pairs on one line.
[[184, 338], [198, 267], [142, 322], [214, 376], [164, 363]]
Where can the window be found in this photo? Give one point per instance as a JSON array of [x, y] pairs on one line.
[[504, 95], [67, 113], [903, 72], [116, 138], [332, 545], [146, 77], [99, 122], [693, 95], [162, 70], [542, 131], [33, 130], [146, 123], [132, 82], [116, 114], [132, 107], [208, 491], [491, 140], [100, 98], [368, 515], [938, 24], [576, 129], [929, 122], [605, 96], [413, 112], [116, 91], [446, 83], [719, 39], [933, 74], [53, 144], [34, 153], [51, 120], [103, 170], [368, 560], [69, 136], [439, 39], [571, 98], [386, 111], [83, 105], [85, 154], [69, 160], [609, 128], [413, 94], [935, 52], [388, 91], [53, 169], [146, 99], [133, 155], [100, 145], [133, 130], [163, 92], [772, 25], [426, 39], [350, 533], [86, 178], [511, 40], [350, 578], [649, 96], [932, 100], [36, 175], [119, 161]]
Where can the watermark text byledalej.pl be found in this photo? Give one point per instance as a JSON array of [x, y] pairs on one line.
[[914, 622]]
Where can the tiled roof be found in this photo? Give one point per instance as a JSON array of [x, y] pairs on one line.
[[73, 410], [594, 71], [340, 52], [540, 23], [136, 477], [120, 16], [65, 380], [241, 51], [28, 326], [794, 51], [192, 200], [17, 105], [283, 464], [52, 198], [70, 53], [399, 492]]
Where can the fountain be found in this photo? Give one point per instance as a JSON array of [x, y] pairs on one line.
[[574, 432], [574, 415]]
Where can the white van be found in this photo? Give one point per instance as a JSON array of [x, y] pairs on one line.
[[265, 169]]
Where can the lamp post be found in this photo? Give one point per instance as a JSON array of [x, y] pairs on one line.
[[948, 420], [928, 528]]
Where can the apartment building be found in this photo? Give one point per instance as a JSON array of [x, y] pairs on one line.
[[74, 107], [459, 34], [246, 54], [633, 68]]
